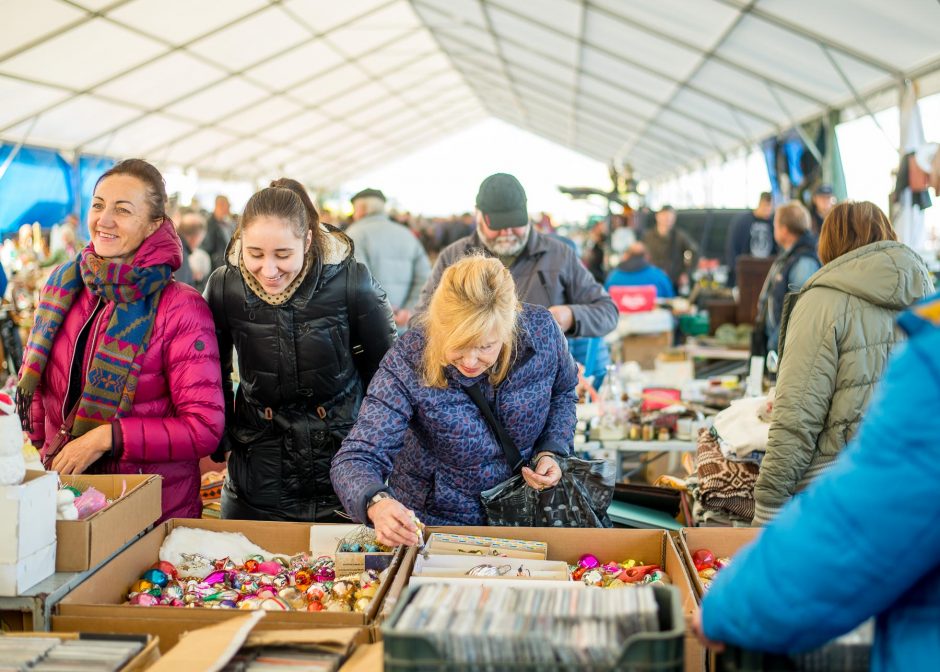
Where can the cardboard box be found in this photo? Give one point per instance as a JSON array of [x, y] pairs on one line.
[[212, 647], [724, 542], [650, 546], [645, 348], [450, 568], [326, 540], [142, 661], [83, 544], [97, 605], [27, 531]]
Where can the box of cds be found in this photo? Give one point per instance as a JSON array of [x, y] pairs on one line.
[[470, 627], [202, 572], [595, 557], [42, 651]]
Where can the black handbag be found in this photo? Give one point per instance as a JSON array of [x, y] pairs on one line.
[[580, 498]]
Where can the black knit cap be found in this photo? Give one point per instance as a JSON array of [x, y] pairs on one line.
[[502, 199]]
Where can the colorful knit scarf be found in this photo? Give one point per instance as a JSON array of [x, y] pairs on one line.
[[112, 378]]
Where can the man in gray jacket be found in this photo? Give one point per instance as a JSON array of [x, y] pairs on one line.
[[547, 272], [391, 251]]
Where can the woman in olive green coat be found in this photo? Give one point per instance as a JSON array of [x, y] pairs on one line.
[[835, 338]]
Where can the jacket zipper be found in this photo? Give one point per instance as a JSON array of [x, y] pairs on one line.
[[68, 388]]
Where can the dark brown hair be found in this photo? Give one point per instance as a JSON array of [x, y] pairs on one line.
[[288, 200], [152, 179], [851, 225]]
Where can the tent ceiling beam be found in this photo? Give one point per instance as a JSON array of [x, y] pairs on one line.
[[171, 49], [502, 57], [89, 15], [325, 158], [598, 115], [445, 52], [855, 94], [578, 61], [810, 144], [702, 61], [609, 82], [17, 147], [179, 99], [662, 74], [712, 53], [819, 39]]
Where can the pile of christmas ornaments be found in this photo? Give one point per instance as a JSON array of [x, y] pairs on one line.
[[614, 574], [707, 566], [299, 583]]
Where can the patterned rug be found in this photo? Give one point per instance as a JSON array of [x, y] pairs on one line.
[[724, 486]]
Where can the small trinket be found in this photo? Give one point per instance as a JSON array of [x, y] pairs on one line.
[[156, 577], [588, 561], [703, 559]]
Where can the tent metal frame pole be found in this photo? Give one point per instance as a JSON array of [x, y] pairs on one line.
[[661, 73], [798, 127], [484, 6], [702, 61], [613, 84], [819, 39], [855, 94], [578, 61], [17, 147]]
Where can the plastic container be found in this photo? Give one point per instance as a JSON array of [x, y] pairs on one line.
[[849, 653], [661, 651]]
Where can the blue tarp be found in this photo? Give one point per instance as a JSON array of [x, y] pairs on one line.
[[39, 185]]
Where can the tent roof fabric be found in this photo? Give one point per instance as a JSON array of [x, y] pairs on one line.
[[324, 90]]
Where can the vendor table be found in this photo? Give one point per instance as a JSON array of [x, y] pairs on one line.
[[673, 448], [41, 598]]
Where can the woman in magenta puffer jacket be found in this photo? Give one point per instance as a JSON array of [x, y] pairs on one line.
[[121, 373]]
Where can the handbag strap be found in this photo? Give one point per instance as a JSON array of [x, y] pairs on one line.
[[513, 457]]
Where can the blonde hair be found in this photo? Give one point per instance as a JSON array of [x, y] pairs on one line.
[[475, 295]]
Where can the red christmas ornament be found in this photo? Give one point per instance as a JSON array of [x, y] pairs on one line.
[[703, 559]]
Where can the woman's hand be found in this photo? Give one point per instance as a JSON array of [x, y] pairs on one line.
[[394, 523], [694, 623], [79, 454], [546, 474]]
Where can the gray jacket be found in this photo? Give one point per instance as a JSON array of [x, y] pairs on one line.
[[547, 273], [394, 257]]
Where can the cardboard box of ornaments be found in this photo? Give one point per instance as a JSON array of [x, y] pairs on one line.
[[135, 506], [724, 542], [569, 544], [98, 605]]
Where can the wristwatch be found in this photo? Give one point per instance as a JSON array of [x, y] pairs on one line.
[[378, 497]]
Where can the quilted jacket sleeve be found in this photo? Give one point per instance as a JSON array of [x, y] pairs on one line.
[[879, 500], [805, 386], [214, 295], [375, 324], [364, 462], [558, 434], [191, 366], [37, 417]]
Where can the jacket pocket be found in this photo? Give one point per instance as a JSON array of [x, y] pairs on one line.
[[255, 465]]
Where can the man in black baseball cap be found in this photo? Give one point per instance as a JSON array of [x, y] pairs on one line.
[[502, 201], [546, 271], [823, 201]]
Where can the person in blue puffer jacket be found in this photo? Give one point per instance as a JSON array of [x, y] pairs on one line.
[[861, 541], [636, 269], [419, 428]]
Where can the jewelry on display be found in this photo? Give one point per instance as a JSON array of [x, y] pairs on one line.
[[489, 570]]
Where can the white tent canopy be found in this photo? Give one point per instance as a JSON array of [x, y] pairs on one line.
[[324, 90]]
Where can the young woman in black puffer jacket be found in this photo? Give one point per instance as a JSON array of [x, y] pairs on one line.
[[293, 301]]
